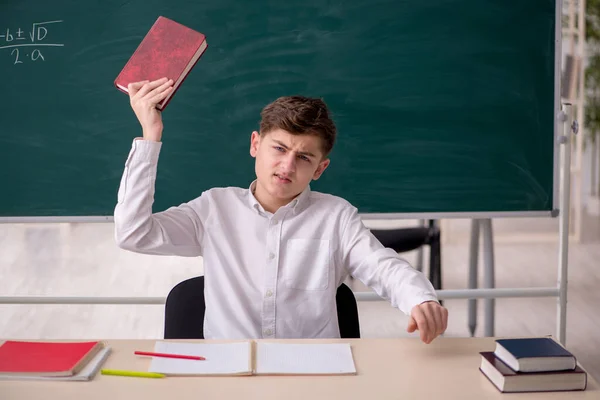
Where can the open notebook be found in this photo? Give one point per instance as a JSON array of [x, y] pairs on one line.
[[255, 358]]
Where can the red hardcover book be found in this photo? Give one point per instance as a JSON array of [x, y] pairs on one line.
[[46, 358], [170, 50]]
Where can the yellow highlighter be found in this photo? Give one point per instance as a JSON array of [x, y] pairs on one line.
[[137, 374]]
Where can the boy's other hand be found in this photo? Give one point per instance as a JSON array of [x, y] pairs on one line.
[[430, 318], [143, 97]]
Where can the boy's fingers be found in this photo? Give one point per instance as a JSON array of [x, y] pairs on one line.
[[422, 324], [444, 319], [161, 96], [135, 86], [158, 90], [439, 321], [149, 86]]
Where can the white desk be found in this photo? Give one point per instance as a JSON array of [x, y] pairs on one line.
[[403, 368]]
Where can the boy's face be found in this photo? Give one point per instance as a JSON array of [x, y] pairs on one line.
[[285, 164]]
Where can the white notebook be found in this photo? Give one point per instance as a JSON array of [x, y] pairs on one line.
[[304, 359], [260, 358], [221, 359]]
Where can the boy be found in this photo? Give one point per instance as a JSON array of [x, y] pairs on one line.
[[274, 254]]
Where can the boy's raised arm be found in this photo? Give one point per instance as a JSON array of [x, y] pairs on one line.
[[176, 231]]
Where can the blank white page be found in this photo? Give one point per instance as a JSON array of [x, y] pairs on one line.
[[304, 359], [221, 359]]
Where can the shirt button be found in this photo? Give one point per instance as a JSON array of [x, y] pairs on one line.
[[268, 332], [271, 256], [269, 293], [274, 221]]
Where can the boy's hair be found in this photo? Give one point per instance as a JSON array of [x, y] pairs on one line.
[[300, 115]]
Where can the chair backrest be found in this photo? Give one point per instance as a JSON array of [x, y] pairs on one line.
[[184, 311], [347, 311], [407, 239]]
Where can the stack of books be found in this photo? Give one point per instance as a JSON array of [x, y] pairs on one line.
[[39, 360], [532, 365]]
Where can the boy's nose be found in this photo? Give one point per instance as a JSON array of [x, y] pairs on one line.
[[289, 164]]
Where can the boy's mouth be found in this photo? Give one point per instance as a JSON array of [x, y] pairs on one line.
[[282, 178]]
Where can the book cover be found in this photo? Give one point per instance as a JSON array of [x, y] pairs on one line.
[[46, 358], [170, 50], [507, 380], [534, 354], [86, 373]]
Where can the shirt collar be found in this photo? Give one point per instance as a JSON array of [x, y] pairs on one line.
[[296, 205], [252, 200]]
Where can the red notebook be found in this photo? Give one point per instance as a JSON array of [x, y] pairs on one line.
[[46, 358], [169, 50]]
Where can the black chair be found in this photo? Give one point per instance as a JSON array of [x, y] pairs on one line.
[[184, 311], [407, 239]]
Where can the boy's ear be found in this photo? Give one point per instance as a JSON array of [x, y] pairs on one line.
[[321, 168], [254, 143]]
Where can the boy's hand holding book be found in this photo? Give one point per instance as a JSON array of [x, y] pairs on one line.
[[143, 97]]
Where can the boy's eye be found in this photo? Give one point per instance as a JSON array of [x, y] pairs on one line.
[[278, 148], [304, 158]]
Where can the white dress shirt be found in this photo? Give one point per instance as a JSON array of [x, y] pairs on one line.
[[266, 275]]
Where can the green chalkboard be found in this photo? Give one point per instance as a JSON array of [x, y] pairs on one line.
[[442, 106]]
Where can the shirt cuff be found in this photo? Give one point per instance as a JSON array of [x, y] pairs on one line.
[[145, 151], [420, 299]]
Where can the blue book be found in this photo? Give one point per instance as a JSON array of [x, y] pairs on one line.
[[534, 355]]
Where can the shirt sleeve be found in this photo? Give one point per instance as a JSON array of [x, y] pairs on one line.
[[382, 269], [176, 231]]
